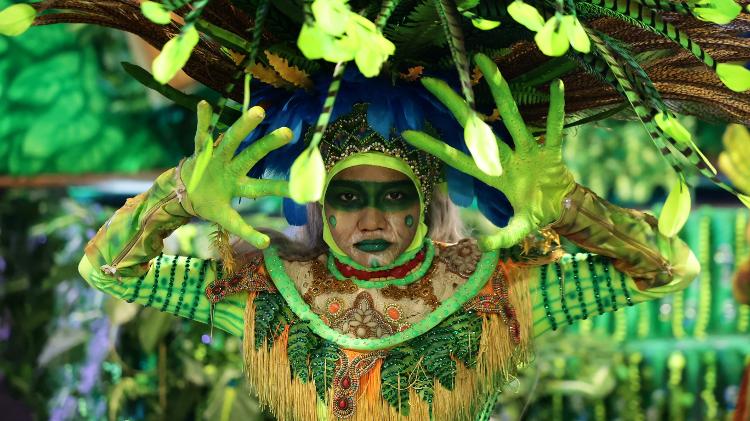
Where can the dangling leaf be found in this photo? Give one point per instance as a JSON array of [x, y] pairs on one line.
[[734, 76], [174, 55], [576, 34], [676, 209], [332, 16], [16, 19], [156, 12], [307, 176], [485, 24], [551, 40], [717, 11], [482, 144], [745, 199], [374, 49], [526, 15], [673, 128]]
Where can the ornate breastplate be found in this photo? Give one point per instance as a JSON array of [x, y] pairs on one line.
[[318, 347]]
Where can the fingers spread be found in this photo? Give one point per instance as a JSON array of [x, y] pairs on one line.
[[239, 130], [204, 122], [517, 229], [446, 153], [246, 159], [231, 221], [449, 98], [252, 188], [506, 105], [556, 114]]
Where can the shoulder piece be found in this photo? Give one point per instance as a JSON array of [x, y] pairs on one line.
[[494, 298], [252, 277]]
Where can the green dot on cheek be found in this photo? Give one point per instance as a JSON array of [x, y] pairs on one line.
[[409, 221], [332, 221]]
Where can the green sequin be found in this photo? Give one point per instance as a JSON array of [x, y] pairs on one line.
[[409, 221], [332, 221]]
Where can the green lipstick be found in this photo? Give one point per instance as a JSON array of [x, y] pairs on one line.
[[372, 246]]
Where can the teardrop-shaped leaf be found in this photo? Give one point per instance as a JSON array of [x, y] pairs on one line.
[[485, 24], [156, 12], [372, 51], [551, 40], [734, 76], [526, 15], [313, 42], [577, 36], [307, 176], [482, 144], [717, 11], [676, 209], [202, 158], [174, 55], [16, 19], [745, 199], [332, 16], [672, 127]]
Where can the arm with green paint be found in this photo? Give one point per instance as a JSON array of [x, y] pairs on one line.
[[124, 258], [543, 193]]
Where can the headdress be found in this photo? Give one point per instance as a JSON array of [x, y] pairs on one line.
[[646, 59]]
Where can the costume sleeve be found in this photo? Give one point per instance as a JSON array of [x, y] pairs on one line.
[[124, 259], [633, 263]]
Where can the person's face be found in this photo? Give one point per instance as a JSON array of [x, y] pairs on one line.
[[372, 213]]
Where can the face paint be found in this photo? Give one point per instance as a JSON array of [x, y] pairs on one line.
[[354, 195], [409, 221], [332, 221]]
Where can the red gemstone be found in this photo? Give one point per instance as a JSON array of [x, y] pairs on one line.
[[346, 382], [343, 404]]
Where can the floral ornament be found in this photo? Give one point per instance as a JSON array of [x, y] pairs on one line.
[[340, 35], [462, 258], [362, 320], [556, 35]]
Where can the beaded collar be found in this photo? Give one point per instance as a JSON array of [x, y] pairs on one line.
[[405, 270]]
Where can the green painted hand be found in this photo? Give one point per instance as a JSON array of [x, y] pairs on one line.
[[534, 179], [213, 175]]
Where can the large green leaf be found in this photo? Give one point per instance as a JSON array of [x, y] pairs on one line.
[[16, 19], [175, 54], [676, 209]]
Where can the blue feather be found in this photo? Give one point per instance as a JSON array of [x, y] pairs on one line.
[[294, 213]]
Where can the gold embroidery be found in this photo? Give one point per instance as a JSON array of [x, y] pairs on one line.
[[324, 283], [253, 277], [461, 258], [421, 289], [362, 320], [347, 378]]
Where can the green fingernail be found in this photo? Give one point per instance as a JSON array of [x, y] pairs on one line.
[[332, 221]]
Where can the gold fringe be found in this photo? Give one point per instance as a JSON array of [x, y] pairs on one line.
[[268, 371], [221, 244]]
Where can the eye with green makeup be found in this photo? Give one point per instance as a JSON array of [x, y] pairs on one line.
[[354, 195]]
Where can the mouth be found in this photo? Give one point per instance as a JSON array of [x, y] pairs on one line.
[[373, 246]]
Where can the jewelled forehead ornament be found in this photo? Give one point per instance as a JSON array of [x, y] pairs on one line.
[[350, 135]]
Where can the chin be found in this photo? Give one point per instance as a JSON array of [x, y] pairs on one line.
[[370, 260]]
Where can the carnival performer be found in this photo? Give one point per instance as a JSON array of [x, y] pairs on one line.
[[379, 309]]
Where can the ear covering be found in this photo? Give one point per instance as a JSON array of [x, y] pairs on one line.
[[377, 159]]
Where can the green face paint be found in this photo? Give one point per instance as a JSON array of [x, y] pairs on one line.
[[354, 195], [409, 221], [332, 221]]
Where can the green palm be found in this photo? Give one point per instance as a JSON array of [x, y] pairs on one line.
[[214, 175], [534, 179]]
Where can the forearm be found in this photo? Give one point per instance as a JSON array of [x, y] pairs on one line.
[[629, 237]]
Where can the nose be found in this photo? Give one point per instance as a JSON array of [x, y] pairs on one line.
[[372, 219]]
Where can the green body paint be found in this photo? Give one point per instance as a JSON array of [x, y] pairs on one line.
[[354, 195], [372, 246], [332, 221], [409, 221]]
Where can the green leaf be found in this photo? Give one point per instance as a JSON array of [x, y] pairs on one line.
[[374, 49], [299, 347], [577, 36], [672, 127], [551, 39], [482, 144], [526, 15], [745, 199], [307, 176], [734, 76], [676, 209], [156, 12], [331, 16], [175, 55], [16, 19], [485, 24], [326, 355], [717, 11]]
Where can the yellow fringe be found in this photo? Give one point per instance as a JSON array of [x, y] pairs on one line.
[[269, 373], [221, 244]]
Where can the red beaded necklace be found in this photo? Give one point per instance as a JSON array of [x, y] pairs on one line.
[[395, 272]]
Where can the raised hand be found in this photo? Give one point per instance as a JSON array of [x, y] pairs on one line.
[[534, 178], [213, 175]]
